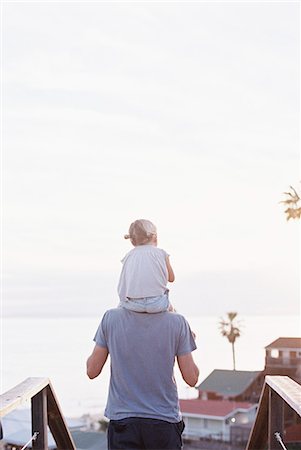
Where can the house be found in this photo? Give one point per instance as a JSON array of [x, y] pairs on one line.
[[213, 419], [237, 385], [227, 401], [283, 357]]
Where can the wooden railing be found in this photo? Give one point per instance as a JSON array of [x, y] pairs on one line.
[[45, 411], [268, 428], [281, 362]]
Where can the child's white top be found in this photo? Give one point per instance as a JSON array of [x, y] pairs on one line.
[[144, 273]]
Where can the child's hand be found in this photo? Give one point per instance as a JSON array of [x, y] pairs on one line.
[[194, 335]]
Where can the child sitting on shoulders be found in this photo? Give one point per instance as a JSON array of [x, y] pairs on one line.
[[145, 272]]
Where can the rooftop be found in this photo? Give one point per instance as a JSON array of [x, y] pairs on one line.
[[286, 342], [217, 408], [228, 383]]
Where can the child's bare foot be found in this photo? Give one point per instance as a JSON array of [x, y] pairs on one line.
[[171, 308]]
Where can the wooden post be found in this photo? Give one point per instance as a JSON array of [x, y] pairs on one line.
[[259, 435], [45, 411], [39, 420], [57, 424], [275, 419]]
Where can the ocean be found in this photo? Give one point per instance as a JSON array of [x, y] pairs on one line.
[[57, 348]]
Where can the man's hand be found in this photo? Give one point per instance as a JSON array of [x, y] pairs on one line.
[[96, 361]]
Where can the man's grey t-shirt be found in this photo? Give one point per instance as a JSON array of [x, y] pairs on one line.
[[142, 349]]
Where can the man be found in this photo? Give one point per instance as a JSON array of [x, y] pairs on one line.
[[142, 403]]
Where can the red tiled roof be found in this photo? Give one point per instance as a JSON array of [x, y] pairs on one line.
[[285, 342], [219, 408]]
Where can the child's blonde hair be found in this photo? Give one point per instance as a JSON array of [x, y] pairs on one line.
[[141, 232]]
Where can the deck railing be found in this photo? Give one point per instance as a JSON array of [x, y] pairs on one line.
[[268, 428], [281, 362], [45, 411]]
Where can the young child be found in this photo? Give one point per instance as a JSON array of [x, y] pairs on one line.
[[145, 272]]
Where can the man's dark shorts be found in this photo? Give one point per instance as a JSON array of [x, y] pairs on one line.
[[144, 434]]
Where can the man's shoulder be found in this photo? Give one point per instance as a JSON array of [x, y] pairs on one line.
[[176, 317], [110, 314], [121, 313], [173, 316], [113, 312]]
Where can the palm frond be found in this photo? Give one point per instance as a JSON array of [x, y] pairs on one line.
[[294, 210]]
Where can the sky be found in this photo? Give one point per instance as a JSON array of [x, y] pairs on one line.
[[183, 113]]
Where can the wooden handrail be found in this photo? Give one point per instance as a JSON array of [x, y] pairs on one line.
[[288, 389], [21, 394], [45, 411], [276, 391]]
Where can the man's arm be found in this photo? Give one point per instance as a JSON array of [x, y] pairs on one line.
[[96, 361], [188, 369]]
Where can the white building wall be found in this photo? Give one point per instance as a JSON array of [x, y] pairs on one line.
[[197, 427], [202, 427], [245, 417]]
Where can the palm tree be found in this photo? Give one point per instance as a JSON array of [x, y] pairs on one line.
[[293, 210], [230, 329]]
